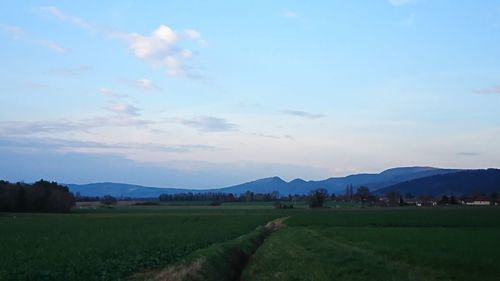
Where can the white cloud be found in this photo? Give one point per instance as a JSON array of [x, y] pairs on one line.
[[144, 84], [124, 109], [162, 48]]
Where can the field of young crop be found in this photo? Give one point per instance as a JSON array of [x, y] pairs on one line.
[[110, 244], [442, 243], [388, 244]]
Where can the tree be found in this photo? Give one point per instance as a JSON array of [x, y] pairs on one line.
[[401, 201], [249, 196], [348, 192], [41, 196], [363, 193], [494, 198], [444, 200], [108, 200], [393, 198], [317, 197]]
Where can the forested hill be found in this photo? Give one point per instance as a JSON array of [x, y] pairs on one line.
[[335, 185], [459, 183]]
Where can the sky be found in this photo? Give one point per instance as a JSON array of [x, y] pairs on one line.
[[201, 94]]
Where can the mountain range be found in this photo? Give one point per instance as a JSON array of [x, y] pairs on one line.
[[466, 182], [336, 185]]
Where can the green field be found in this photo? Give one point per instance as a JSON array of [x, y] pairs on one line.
[[329, 244], [387, 244], [111, 244]]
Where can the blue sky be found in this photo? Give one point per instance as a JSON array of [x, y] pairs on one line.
[[211, 93]]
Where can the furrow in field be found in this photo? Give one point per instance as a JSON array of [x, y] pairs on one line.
[[222, 261]]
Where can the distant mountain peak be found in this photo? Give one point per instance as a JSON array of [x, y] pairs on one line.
[[271, 179], [297, 181], [407, 169]]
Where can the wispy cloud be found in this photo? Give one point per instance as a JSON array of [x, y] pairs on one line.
[[18, 33], [209, 124], [51, 45], [162, 47], [19, 128], [55, 144], [401, 2], [123, 109], [15, 31], [303, 114], [262, 135], [65, 17], [494, 90], [71, 71], [468, 153], [143, 84], [106, 92]]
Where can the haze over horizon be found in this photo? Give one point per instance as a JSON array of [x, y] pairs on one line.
[[175, 95]]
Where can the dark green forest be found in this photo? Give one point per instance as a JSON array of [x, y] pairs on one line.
[[41, 196]]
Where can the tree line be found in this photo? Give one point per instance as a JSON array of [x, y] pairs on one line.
[[221, 196], [41, 196]]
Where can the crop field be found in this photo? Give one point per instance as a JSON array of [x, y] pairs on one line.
[[111, 244], [392, 244], [442, 243]]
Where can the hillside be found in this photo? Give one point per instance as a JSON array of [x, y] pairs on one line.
[[266, 185], [121, 190], [458, 183]]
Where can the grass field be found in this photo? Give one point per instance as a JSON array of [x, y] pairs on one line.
[[330, 244], [388, 244]]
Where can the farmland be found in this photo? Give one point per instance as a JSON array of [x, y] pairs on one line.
[[442, 243], [393, 244], [110, 244]]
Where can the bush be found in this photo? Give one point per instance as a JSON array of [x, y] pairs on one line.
[[317, 197]]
